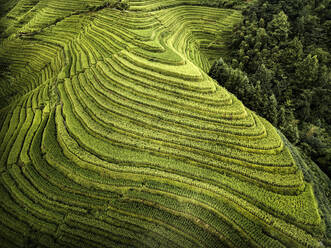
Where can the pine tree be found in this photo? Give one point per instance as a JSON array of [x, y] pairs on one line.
[[279, 27], [307, 72]]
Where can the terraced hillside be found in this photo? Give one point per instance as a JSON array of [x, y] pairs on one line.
[[113, 135]]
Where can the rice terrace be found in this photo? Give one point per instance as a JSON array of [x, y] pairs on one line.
[[112, 134]]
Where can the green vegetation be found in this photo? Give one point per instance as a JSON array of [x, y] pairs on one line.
[[280, 68], [112, 134]]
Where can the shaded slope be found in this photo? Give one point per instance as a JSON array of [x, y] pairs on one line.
[[115, 136]]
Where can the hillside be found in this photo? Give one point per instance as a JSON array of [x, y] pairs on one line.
[[112, 134], [280, 67]]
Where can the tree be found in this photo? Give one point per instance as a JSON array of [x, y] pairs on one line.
[[292, 53], [265, 76], [303, 105], [234, 80], [288, 124], [279, 27], [307, 72], [219, 71]]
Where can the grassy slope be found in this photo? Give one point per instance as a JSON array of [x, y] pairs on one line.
[[113, 135]]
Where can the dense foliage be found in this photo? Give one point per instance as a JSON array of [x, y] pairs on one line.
[[223, 3], [280, 68]]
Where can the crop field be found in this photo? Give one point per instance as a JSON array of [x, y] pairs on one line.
[[113, 135]]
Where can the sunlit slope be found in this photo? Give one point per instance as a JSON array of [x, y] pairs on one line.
[[113, 135]]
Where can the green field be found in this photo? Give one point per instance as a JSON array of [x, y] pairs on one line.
[[113, 135]]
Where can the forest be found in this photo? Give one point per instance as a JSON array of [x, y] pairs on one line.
[[280, 67]]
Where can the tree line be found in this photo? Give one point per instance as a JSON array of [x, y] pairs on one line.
[[279, 66]]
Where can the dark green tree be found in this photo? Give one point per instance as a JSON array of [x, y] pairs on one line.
[[307, 72], [279, 28]]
